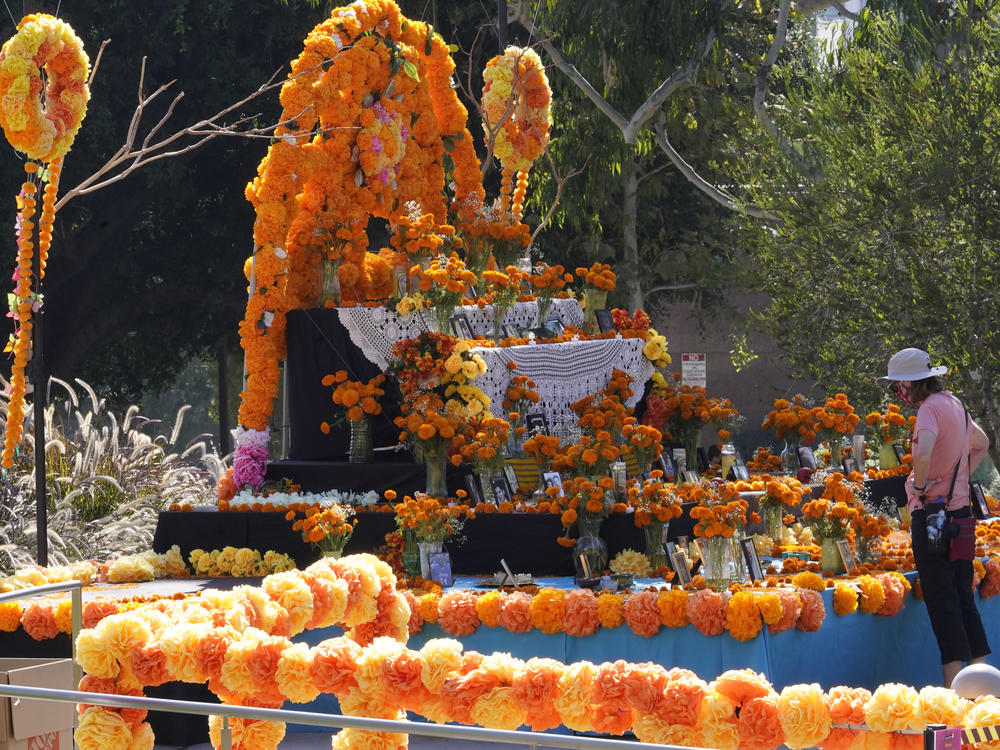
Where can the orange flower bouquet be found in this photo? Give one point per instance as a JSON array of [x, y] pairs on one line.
[[643, 442], [655, 506], [599, 279], [547, 281], [587, 505], [520, 398], [430, 519], [488, 232], [790, 421], [444, 282], [485, 449], [720, 517], [418, 235], [836, 511], [359, 399], [889, 426], [502, 290], [832, 421], [781, 494], [326, 527]]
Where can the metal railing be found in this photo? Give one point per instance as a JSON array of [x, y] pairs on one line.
[[75, 589], [329, 721]]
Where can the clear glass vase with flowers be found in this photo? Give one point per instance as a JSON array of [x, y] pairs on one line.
[[588, 504], [831, 422], [485, 451], [432, 521], [781, 495], [546, 282], [361, 402], [520, 399], [489, 231], [789, 420], [598, 280], [502, 290], [642, 442], [327, 527], [444, 282], [720, 517], [655, 505]]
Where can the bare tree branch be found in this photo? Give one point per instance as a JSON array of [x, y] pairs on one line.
[[560, 186], [128, 159], [717, 194], [760, 92], [845, 12]]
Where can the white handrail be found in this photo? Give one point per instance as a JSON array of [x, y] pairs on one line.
[[76, 603], [331, 721]]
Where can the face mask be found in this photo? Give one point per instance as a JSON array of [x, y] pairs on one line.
[[904, 392]]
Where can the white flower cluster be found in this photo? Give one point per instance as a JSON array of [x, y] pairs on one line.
[[288, 499]]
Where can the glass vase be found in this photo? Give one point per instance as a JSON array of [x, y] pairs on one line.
[[590, 547], [593, 299], [499, 313], [411, 553], [887, 456], [718, 554], [773, 521], [437, 481], [442, 318], [790, 458], [869, 549], [690, 443], [836, 453], [329, 283], [738, 568], [427, 549], [544, 303], [656, 535], [361, 448], [829, 556]]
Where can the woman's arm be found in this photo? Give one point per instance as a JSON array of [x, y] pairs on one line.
[[923, 446], [980, 444]]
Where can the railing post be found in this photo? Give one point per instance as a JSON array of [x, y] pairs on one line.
[[76, 601], [226, 738]]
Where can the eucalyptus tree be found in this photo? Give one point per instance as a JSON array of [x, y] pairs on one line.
[[894, 239]]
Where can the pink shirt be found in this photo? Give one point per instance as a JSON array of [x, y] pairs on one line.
[[943, 414]]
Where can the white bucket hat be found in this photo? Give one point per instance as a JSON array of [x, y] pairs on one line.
[[911, 364]]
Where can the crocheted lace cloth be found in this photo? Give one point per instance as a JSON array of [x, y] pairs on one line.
[[375, 330]]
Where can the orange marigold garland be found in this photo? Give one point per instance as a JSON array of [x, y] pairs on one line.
[[44, 129]]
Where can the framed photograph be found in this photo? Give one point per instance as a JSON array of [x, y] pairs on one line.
[[553, 479], [472, 487], [666, 465], [844, 547], [440, 563], [691, 477], [536, 423], [401, 284], [739, 470], [899, 450], [555, 325], [753, 561], [605, 322], [702, 459], [461, 326], [850, 464], [510, 331], [679, 563], [501, 490], [977, 500], [806, 458], [696, 544], [680, 461]]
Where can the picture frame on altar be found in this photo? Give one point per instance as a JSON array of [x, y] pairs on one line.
[[740, 471], [512, 481], [401, 283], [461, 326], [844, 547], [849, 464], [754, 567], [807, 459], [440, 564], [667, 466], [899, 450], [553, 479], [702, 459], [501, 490], [679, 563], [605, 322], [555, 325], [535, 423], [977, 500], [472, 486], [691, 477]]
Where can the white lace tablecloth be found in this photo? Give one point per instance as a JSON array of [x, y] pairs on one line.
[[564, 373], [375, 330]]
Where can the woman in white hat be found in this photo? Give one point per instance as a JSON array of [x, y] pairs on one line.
[[947, 447]]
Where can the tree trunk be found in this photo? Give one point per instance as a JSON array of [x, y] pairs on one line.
[[630, 242]]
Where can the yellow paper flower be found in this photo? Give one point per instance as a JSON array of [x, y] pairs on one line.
[[293, 676], [102, 729], [497, 710], [610, 610], [441, 657], [845, 599], [673, 607], [804, 715], [488, 608], [938, 705], [985, 713], [892, 708], [574, 696]]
